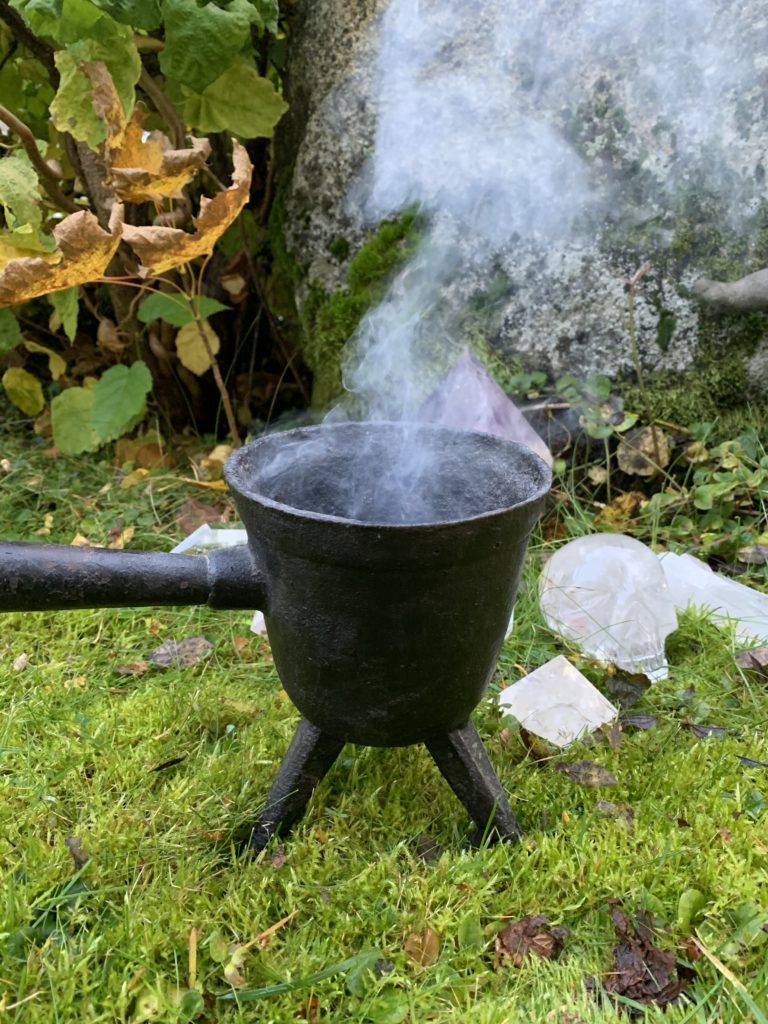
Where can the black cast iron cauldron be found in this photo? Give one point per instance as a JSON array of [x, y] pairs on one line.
[[385, 558]]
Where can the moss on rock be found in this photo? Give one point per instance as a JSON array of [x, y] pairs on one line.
[[329, 321]]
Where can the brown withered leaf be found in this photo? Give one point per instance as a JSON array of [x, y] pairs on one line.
[[639, 455], [531, 935], [194, 513], [161, 249], [428, 849], [181, 653], [132, 668], [750, 762], [423, 948], [617, 811], [639, 721], [142, 167], [621, 510], [84, 251], [753, 554], [146, 170], [79, 855], [755, 660], [643, 972], [703, 732], [588, 773]]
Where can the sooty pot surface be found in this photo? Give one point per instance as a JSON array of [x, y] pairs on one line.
[[390, 556]]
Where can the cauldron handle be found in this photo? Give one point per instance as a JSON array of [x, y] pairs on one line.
[[47, 577]]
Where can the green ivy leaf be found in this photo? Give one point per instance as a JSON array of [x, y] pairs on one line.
[[119, 399], [66, 307], [202, 41], [240, 101], [10, 332], [19, 193], [71, 421], [176, 309]]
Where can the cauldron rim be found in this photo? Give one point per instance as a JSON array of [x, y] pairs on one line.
[[539, 486]]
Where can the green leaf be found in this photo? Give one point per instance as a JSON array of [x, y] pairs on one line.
[[704, 496], [72, 108], [266, 14], [361, 976], [192, 1005], [239, 101], [71, 423], [690, 905], [10, 332], [144, 14], [470, 934], [19, 193], [23, 390], [391, 1007], [201, 42], [119, 399], [176, 309], [753, 804], [90, 35], [113, 46], [218, 947], [66, 305]]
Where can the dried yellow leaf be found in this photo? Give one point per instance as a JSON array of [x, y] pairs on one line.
[[84, 251], [56, 364], [151, 169], [132, 479], [161, 249], [142, 167], [191, 349]]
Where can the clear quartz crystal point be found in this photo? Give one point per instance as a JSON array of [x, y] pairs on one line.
[[609, 594], [692, 582]]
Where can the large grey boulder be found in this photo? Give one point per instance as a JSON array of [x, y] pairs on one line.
[[554, 147]]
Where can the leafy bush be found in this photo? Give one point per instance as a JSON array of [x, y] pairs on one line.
[[99, 179]]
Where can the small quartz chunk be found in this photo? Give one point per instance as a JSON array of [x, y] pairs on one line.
[[557, 703]]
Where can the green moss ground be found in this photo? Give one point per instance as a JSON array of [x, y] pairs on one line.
[[81, 754]]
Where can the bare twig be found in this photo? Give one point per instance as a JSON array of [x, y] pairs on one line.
[[23, 34], [148, 43], [163, 106], [49, 179]]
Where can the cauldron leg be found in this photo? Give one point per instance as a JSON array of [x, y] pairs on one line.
[[463, 761], [308, 758]]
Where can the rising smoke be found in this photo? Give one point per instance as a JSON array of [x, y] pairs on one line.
[[478, 122], [481, 105]]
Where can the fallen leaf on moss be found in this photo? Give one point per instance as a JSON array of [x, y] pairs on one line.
[[181, 653], [161, 249], [755, 660], [643, 972], [588, 773], [423, 948], [132, 668], [532, 935], [83, 252], [643, 451]]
